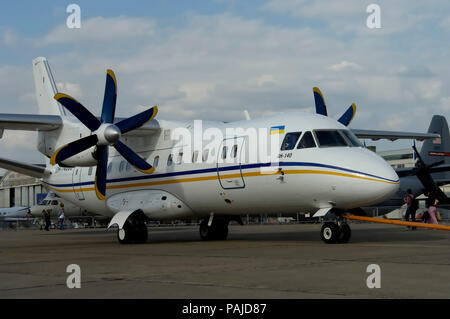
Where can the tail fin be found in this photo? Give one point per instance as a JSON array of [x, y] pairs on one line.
[[438, 149], [46, 88]]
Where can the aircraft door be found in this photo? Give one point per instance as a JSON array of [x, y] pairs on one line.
[[76, 181], [229, 159]]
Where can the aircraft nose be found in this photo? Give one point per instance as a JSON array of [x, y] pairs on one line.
[[388, 180]]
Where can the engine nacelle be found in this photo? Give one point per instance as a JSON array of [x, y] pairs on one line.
[[83, 159]]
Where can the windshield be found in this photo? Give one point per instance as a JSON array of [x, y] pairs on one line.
[[352, 138], [330, 138]]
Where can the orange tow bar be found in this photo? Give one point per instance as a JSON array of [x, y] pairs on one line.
[[396, 222]]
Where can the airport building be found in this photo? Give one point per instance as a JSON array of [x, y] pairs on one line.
[[20, 190], [399, 158]]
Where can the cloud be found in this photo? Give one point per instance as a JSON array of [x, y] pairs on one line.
[[345, 65], [213, 66], [100, 29]]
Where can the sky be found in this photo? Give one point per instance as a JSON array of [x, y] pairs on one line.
[[213, 59]]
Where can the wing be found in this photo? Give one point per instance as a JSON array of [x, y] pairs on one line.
[[29, 122], [393, 135], [24, 168]]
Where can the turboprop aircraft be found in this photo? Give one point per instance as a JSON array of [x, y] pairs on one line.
[[52, 203], [14, 214], [315, 163]]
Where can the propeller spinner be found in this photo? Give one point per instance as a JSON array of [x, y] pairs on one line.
[[105, 133]]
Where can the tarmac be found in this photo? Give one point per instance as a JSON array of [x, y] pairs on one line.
[[257, 261]]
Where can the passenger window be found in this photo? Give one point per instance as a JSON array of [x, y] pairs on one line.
[[110, 167], [195, 157], [156, 161], [330, 138], [307, 141], [234, 151], [90, 171], [224, 152], [290, 140], [128, 168], [205, 155], [121, 166], [170, 160], [180, 157]]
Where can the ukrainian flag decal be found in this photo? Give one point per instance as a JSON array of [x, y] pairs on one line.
[[277, 129]]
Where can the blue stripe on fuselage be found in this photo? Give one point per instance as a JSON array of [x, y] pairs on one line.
[[222, 169]]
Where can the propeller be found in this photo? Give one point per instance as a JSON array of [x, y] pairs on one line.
[[105, 133], [321, 108], [423, 172]]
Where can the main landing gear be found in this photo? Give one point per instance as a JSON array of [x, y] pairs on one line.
[[133, 231], [335, 232], [218, 230]]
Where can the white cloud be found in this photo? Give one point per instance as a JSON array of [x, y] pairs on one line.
[[69, 88], [100, 29], [345, 65]]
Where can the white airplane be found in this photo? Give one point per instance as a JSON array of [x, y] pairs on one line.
[[320, 165], [14, 214], [52, 203]]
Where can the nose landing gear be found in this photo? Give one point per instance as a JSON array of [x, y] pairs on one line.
[[217, 231], [335, 232]]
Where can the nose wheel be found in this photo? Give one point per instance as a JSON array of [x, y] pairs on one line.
[[335, 232], [217, 231]]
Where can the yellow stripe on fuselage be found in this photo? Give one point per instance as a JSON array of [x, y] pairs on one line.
[[215, 177]]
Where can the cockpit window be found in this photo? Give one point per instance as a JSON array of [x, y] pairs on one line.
[[352, 138], [307, 141], [290, 140], [330, 138]]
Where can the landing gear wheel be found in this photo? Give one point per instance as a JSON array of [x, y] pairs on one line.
[[330, 233], [345, 233], [217, 231], [132, 233]]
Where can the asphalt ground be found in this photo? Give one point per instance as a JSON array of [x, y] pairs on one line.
[[257, 261]]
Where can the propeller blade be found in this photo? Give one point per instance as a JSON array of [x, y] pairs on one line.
[[78, 110], [100, 174], [347, 117], [109, 101], [436, 164], [136, 121], [133, 158], [418, 155], [73, 148], [321, 107]]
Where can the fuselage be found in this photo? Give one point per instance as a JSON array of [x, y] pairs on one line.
[[230, 179]]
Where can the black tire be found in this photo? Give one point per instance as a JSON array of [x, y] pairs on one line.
[[217, 231], [124, 235], [330, 233], [205, 231], [345, 233], [132, 233]]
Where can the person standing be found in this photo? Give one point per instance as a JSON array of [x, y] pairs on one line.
[[411, 207], [61, 217], [432, 203], [47, 219]]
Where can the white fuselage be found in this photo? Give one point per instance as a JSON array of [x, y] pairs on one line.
[[308, 179]]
